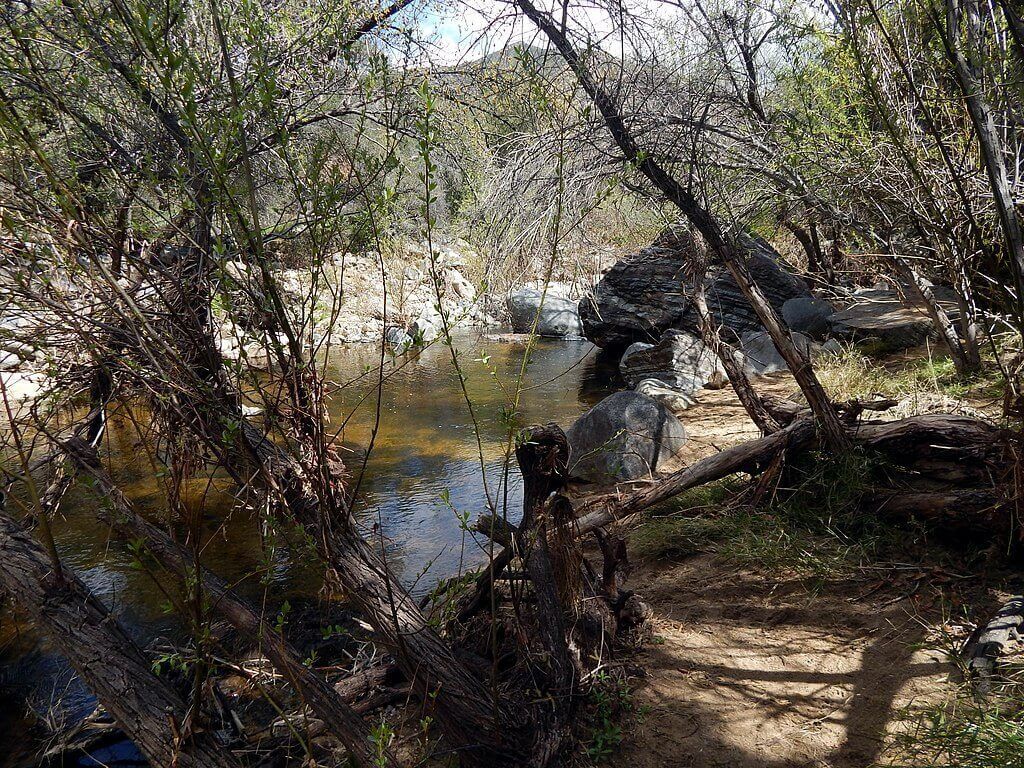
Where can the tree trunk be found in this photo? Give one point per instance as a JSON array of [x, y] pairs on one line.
[[543, 460], [339, 717], [817, 261], [940, 319], [480, 728], [989, 142], [150, 713], [731, 362], [729, 252]]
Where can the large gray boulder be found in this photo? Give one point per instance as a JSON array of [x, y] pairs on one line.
[[627, 436], [808, 315], [559, 316], [680, 361], [761, 357], [644, 295], [880, 320]]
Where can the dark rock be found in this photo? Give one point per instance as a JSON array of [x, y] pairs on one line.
[[626, 436], [808, 315], [559, 316], [398, 338], [880, 320], [760, 355], [646, 294], [679, 360]]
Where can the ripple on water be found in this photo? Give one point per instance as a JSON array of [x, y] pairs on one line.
[[425, 465]]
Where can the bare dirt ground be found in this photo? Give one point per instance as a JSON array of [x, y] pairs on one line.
[[753, 671], [766, 670]]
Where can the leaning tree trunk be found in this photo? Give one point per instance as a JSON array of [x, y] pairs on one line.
[[726, 353], [479, 728], [962, 361], [730, 253], [322, 699], [966, 72], [150, 713]]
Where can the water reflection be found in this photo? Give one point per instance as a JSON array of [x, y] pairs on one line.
[[426, 466]]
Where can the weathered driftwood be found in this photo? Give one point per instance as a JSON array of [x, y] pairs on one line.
[[989, 644], [321, 698], [957, 439], [543, 460], [959, 510], [483, 731], [597, 512], [953, 446], [933, 435], [150, 713], [370, 689]]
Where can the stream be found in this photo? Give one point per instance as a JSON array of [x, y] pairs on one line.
[[426, 468]]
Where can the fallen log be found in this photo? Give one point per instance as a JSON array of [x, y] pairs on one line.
[[966, 510], [934, 435], [597, 512], [930, 437], [321, 698], [954, 446], [149, 711], [370, 689]]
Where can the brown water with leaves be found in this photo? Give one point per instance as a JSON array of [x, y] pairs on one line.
[[425, 472]]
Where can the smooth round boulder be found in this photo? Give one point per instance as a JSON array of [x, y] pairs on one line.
[[761, 357], [878, 320], [558, 317], [808, 315], [627, 436]]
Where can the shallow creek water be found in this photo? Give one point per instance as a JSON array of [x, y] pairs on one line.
[[425, 466]]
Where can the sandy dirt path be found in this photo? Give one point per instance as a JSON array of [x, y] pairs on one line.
[[762, 671]]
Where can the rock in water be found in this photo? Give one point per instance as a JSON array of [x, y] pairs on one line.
[[879, 319], [559, 316], [809, 315], [760, 355], [427, 327], [679, 360], [644, 295], [398, 338], [626, 436]]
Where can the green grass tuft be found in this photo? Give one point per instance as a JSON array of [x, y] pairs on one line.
[[811, 526], [851, 374]]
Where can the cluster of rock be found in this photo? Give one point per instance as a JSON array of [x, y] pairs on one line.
[[644, 295], [363, 297], [643, 309]]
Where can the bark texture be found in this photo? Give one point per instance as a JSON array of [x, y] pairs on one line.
[[150, 713]]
